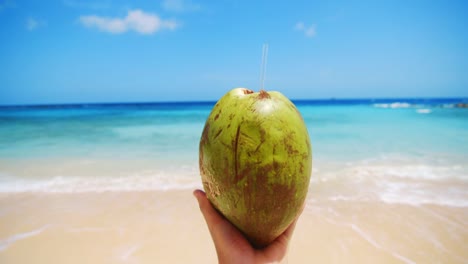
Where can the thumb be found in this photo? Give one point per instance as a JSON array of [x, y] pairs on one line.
[[221, 230], [227, 239], [212, 217], [204, 204]]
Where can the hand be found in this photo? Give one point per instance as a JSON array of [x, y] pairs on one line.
[[231, 245]]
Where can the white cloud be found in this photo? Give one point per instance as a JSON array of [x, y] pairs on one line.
[[33, 23], [299, 26], [180, 6], [137, 20], [309, 31]]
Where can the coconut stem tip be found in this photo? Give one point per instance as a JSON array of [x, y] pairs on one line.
[[263, 94]]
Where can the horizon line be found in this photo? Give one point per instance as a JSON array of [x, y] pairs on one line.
[[462, 99]]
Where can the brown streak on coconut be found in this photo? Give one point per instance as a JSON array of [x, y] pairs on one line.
[[226, 145], [218, 133], [217, 115], [245, 172], [290, 149], [203, 140], [258, 146], [204, 137], [236, 144]]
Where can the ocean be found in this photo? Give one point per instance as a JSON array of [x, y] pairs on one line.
[[112, 183], [145, 146]]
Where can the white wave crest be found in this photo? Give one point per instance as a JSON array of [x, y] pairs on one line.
[[4, 244], [424, 111], [393, 105], [61, 184], [411, 171], [395, 183], [413, 194]]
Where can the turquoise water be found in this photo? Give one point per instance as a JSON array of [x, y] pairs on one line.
[[100, 131], [386, 140], [365, 131], [338, 131]]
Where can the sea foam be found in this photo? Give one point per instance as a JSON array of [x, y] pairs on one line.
[[397, 183], [424, 111], [393, 105], [4, 244], [74, 184]]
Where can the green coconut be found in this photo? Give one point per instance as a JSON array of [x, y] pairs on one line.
[[255, 162]]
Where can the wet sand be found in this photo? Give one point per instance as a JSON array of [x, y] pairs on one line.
[[167, 227]]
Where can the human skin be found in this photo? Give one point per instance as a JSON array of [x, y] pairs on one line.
[[231, 245]]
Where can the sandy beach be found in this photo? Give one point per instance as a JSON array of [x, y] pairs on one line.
[[167, 227]]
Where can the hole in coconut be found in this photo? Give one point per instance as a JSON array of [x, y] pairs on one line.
[[247, 91]]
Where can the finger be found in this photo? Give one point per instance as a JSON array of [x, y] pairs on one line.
[[289, 231], [278, 249], [287, 234], [221, 230], [223, 233], [211, 216]]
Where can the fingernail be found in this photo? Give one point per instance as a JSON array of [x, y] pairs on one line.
[[196, 193]]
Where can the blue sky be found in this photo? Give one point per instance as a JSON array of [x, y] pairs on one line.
[[68, 51]]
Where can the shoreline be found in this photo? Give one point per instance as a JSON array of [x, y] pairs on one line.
[[141, 227], [388, 182]]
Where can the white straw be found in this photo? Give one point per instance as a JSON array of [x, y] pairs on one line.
[[263, 67]]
